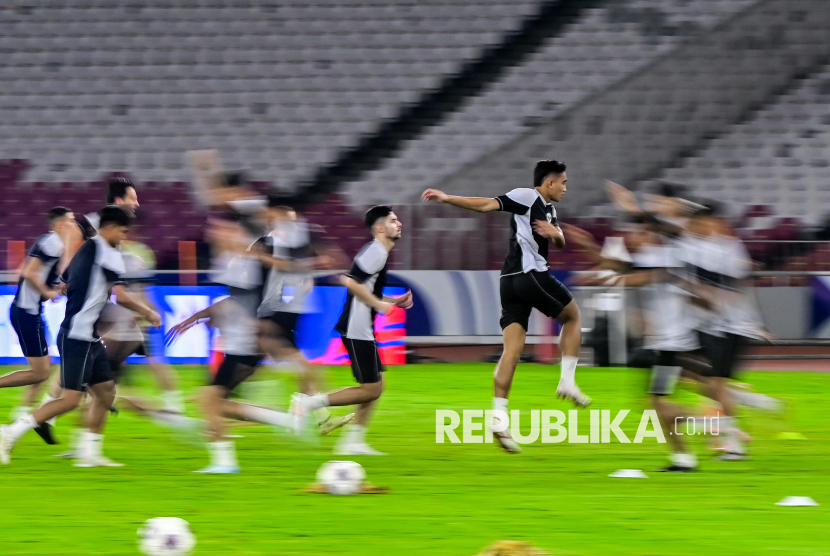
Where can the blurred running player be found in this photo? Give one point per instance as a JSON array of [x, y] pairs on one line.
[[120, 192], [94, 272], [720, 264], [130, 334], [36, 285], [526, 282], [364, 282], [288, 259], [235, 318]]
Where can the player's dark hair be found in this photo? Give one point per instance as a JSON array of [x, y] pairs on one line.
[[57, 212], [114, 215], [236, 179], [117, 189], [544, 168], [376, 213]]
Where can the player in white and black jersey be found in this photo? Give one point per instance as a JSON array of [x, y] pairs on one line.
[[236, 319], [37, 280], [364, 282], [95, 272], [288, 257], [121, 192], [720, 264], [526, 283]]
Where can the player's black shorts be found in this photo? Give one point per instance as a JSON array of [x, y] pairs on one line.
[[31, 333], [521, 293], [82, 363], [722, 352], [365, 359], [235, 369], [286, 325]]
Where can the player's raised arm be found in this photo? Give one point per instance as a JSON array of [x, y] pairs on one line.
[[477, 204]]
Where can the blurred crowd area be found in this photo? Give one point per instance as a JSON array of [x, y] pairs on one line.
[[343, 104]]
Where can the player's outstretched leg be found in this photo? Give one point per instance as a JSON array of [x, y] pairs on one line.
[[570, 340], [514, 344], [274, 342], [37, 373], [364, 396], [9, 435]]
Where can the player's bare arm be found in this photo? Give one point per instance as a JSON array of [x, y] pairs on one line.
[[125, 299], [31, 272], [477, 204], [550, 231], [366, 296], [404, 301]]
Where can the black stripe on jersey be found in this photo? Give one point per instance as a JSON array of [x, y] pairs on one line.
[[78, 276], [507, 204], [357, 274], [714, 278]]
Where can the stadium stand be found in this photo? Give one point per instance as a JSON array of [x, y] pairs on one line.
[[604, 46], [286, 89], [280, 87], [778, 160]]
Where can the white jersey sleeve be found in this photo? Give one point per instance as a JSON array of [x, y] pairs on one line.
[[370, 260]]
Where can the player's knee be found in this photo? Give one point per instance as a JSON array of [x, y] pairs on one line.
[[71, 399], [570, 313], [41, 371], [374, 390], [106, 395]]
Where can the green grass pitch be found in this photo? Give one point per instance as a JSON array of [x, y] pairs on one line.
[[445, 499]]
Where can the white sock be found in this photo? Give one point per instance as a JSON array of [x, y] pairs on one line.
[[753, 399], [683, 460], [222, 453], [269, 416], [172, 401], [499, 404], [568, 370], [22, 426], [317, 401], [730, 427], [355, 434], [90, 444], [20, 411], [322, 414], [46, 399]]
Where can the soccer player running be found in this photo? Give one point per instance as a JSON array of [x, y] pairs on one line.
[[288, 256], [365, 282], [94, 272], [720, 263], [121, 192], [235, 318], [39, 273], [526, 282]]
